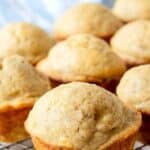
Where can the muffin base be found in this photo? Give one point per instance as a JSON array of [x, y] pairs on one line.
[[55, 83], [106, 37], [144, 134], [40, 145], [131, 61], [109, 85], [125, 143], [12, 123]]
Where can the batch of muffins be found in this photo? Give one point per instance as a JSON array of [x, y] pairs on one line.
[[84, 87]]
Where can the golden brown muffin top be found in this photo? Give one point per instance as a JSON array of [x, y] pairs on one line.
[[87, 18], [129, 10], [26, 40], [134, 88], [79, 116], [131, 42], [19, 81], [82, 57]]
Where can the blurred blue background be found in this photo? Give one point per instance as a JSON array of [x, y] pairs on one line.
[[40, 12]]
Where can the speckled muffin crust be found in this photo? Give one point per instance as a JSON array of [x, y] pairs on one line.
[[26, 40], [131, 42], [20, 86], [130, 10], [80, 116], [82, 57], [90, 18], [134, 90]]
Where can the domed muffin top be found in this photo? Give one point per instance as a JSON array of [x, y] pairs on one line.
[[134, 88], [131, 42], [19, 81], [82, 57], [26, 40], [130, 10], [90, 18]]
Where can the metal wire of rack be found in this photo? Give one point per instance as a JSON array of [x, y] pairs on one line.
[[21, 145]]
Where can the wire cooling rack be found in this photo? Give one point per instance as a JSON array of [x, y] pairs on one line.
[[21, 145], [27, 145]]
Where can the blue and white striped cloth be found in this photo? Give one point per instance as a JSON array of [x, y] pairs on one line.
[[40, 12]]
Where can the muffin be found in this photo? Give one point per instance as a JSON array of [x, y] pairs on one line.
[[26, 40], [20, 86], [80, 116], [130, 10], [90, 18], [134, 90], [82, 57], [131, 42]]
